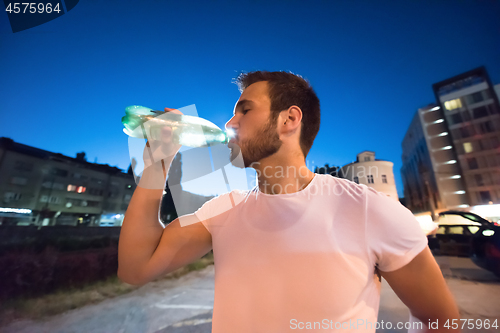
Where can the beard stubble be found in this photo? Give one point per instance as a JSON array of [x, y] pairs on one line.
[[266, 142]]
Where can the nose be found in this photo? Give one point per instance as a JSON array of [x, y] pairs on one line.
[[231, 124]]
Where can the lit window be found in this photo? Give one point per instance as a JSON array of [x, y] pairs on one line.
[[71, 188], [453, 104], [468, 147], [369, 179], [384, 179], [80, 189]]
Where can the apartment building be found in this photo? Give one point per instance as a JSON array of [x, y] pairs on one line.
[[45, 188], [451, 151]]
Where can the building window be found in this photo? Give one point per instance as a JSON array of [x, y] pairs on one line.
[[54, 199], [466, 116], [472, 162], [367, 158], [456, 118], [58, 186], [492, 108], [486, 127], [95, 191], [485, 144], [71, 188], [23, 166], [81, 189], [77, 175], [58, 172], [11, 196], [485, 196], [384, 179], [97, 180], [453, 104], [369, 179], [476, 97], [51, 199], [480, 112], [468, 147], [19, 180], [356, 180], [479, 180], [73, 202], [464, 132]]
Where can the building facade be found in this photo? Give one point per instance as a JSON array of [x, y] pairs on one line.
[[451, 151], [472, 113], [430, 172], [44, 188], [375, 173]]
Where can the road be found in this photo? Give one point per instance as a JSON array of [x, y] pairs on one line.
[[185, 305]]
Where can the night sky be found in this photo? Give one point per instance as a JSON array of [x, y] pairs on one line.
[[64, 85]]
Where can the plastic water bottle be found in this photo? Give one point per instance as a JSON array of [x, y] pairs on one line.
[[145, 123]]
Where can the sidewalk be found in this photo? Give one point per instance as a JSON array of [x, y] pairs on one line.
[[475, 290], [464, 269], [184, 305]]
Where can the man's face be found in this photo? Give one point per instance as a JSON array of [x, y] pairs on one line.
[[255, 133]]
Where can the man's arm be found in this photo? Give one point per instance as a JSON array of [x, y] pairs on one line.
[[422, 287], [146, 248]]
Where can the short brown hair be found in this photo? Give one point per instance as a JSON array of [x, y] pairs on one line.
[[285, 90]]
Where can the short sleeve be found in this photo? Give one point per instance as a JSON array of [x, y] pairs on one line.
[[394, 236], [217, 206]]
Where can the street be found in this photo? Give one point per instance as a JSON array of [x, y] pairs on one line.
[[185, 305]]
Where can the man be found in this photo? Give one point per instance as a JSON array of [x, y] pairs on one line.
[[300, 250]]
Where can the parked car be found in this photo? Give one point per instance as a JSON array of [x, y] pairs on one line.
[[468, 234]]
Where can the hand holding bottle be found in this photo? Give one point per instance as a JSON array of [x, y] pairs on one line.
[[160, 144], [166, 132], [158, 153]]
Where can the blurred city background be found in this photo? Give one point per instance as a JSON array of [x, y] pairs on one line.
[[409, 94]]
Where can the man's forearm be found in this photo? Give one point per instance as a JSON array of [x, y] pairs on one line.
[[142, 230]]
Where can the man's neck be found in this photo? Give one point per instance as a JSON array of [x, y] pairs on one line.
[[282, 175]]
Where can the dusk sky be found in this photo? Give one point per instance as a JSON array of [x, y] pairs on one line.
[[64, 85]]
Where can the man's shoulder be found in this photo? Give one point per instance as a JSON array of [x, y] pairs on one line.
[[221, 203], [342, 187]]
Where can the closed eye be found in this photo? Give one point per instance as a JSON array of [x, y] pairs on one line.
[[245, 111]]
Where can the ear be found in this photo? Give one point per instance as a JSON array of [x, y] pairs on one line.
[[290, 119]]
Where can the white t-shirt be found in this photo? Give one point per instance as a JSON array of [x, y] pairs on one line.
[[305, 260]]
